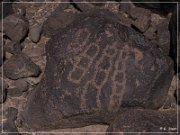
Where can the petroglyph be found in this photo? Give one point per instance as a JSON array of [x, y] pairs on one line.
[[95, 67]]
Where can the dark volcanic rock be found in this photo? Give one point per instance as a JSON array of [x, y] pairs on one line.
[[15, 27], [20, 66], [134, 120], [95, 67]]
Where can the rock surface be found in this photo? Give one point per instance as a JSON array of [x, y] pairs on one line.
[[20, 66], [99, 67], [135, 120]]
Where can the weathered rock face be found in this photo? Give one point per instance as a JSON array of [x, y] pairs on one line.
[[136, 120], [94, 67]]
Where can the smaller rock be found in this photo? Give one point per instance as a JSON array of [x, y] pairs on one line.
[[12, 47], [20, 66], [8, 55], [15, 27], [17, 88], [9, 47], [3, 91], [35, 33]]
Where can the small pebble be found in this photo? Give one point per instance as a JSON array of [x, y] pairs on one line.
[[35, 33]]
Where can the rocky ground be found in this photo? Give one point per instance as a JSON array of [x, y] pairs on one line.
[[28, 28]]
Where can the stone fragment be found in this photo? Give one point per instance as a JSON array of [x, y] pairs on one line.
[[20, 66], [35, 33]]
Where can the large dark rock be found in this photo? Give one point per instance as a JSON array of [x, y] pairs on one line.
[[136, 120], [95, 67], [20, 66]]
